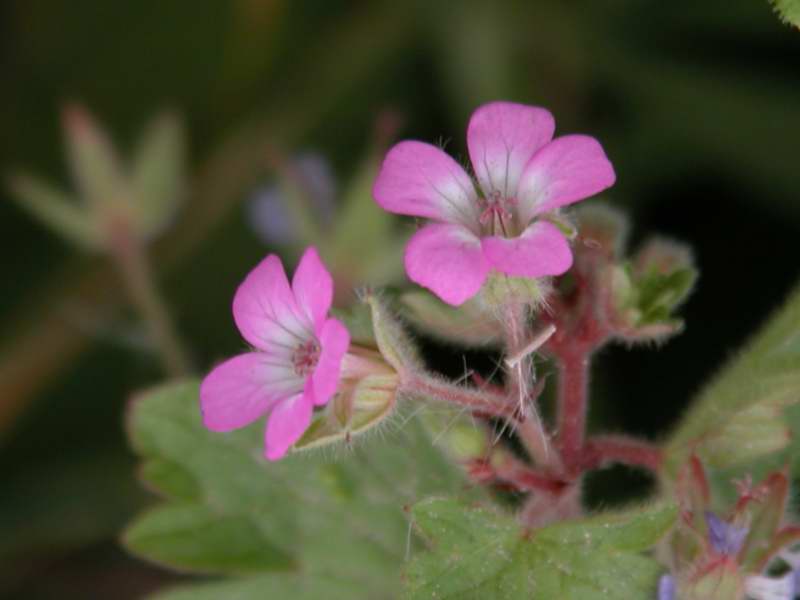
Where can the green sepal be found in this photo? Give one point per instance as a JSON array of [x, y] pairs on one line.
[[648, 289], [357, 408], [500, 291], [391, 337]]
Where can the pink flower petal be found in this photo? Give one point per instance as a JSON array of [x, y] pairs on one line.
[[313, 288], [420, 180], [540, 250], [266, 312], [568, 169], [243, 388], [289, 419], [502, 137], [446, 259], [334, 340]]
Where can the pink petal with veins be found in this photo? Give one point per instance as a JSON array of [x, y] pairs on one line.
[[420, 180], [243, 388], [334, 341], [446, 259], [312, 286], [567, 170], [289, 419], [266, 312], [502, 137], [541, 250]]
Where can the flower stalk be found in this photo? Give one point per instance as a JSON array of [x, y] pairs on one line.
[[130, 255]]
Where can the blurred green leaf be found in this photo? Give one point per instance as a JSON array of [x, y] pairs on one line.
[[469, 324], [322, 517], [56, 210], [158, 174], [739, 416], [193, 537], [363, 229], [788, 10], [95, 166], [267, 587], [479, 554]]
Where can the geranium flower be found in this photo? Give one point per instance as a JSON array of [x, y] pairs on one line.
[[522, 175], [297, 356]]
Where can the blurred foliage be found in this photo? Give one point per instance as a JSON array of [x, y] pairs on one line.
[[695, 102]]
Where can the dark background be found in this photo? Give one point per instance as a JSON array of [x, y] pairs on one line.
[[696, 103]]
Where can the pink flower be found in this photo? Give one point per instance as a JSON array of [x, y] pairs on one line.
[[297, 356], [522, 174]]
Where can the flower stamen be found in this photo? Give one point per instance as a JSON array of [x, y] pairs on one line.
[[305, 358]]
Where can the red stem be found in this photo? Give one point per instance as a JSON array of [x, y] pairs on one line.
[[602, 450], [572, 406]]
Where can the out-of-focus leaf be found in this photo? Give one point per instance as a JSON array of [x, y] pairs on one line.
[[746, 400], [321, 517], [268, 587], [194, 537], [788, 10], [158, 174], [469, 324], [363, 230], [478, 554], [62, 214], [95, 166]]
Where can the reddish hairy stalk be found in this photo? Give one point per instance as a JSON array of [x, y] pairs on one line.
[[485, 401], [572, 407], [602, 450], [522, 477]]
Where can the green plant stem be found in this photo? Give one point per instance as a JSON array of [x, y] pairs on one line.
[[130, 256]]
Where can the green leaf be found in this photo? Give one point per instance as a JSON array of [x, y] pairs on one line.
[[738, 417], [193, 537], [476, 553], [788, 11], [469, 324], [56, 210], [230, 511], [158, 174]]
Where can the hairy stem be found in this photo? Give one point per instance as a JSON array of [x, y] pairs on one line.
[[486, 402], [131, 259], [573, 365], [601, 450], [529, 427]]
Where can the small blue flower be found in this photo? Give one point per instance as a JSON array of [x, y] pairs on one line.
[[268, 212], [666, 588], [726, 539]]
